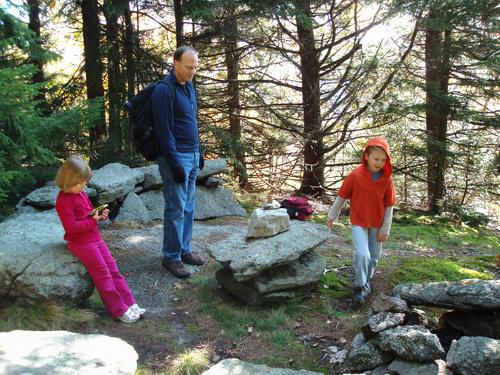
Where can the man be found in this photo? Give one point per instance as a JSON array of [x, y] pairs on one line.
[[179, 159]]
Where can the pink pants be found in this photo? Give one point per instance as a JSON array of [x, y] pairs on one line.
[[110, 284]]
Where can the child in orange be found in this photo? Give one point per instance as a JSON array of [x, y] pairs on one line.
[[370, 189], [84, 240]]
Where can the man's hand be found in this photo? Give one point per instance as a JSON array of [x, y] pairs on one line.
[[329, 223], [382, 237], [179, 174]]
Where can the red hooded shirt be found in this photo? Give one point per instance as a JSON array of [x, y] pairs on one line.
[[369, 198]]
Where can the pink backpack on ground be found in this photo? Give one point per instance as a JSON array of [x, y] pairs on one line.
[[297, 208]]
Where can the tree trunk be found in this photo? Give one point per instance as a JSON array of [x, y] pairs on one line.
[[233, 89], [437, 110], [128, 48], [38, 77], [115, 85], [179, 23], [93, 63], [313, 178]]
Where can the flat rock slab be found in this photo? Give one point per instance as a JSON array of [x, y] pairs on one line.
[[471, 294], [233, 366], [248, 258], [62, 352], [114, 180]]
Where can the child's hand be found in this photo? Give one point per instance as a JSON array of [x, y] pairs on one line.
[[329, 223], [96, 217], [382, 237], [105, 214]]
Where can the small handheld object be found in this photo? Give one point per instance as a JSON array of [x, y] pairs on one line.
[[98, 209]]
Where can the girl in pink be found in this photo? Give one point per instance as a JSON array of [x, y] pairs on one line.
[[84, 240]]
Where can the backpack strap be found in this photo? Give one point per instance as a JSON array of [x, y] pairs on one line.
[[172, 88]]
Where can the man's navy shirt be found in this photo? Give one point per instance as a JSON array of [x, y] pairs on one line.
[[175, 125]]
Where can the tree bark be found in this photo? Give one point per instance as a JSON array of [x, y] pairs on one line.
[[233, 90], [313, 179], [93, 63], [437, 45]]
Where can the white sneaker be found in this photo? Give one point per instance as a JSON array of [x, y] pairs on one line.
[[129, 317], [137, 310]]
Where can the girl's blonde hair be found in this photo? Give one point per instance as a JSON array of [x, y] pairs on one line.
[[73, 171]]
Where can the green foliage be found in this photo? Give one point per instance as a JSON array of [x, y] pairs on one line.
[[422, 270], [192, 362]]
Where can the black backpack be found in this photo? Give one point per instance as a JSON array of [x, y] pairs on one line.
[[141, 120]]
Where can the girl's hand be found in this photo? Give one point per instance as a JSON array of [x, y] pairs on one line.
[[96, 217], [329, 223], [105, 214], [381, 237]]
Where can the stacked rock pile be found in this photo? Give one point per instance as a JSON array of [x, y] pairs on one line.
[[399, 339]]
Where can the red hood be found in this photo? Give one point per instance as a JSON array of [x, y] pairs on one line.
[[379, 142]]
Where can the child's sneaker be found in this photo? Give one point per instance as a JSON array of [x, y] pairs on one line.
[[129, 317], [137, 310]]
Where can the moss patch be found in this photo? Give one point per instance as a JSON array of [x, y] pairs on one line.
[[418, 270]]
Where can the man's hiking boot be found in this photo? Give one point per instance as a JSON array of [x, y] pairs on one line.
[[176, 268], [193, 259]]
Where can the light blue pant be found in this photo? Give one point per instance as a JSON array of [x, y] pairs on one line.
[[366, 253], [178, 217]]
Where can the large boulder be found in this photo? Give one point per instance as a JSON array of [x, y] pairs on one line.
[[216, 202], [381, 321], [154, 202], [133, 210], [248, 258], [469, 294], [114, 181], [152, 177], [474, 356], [62, 352], [45, 197], [267, 223], [35, 263], [413, 343], [233, 366]]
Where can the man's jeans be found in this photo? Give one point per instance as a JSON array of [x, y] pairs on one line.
[[178, 217], [366, 254]]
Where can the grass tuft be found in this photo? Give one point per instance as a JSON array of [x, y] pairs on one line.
[[192, 362]]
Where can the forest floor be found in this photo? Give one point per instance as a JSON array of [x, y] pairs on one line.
[[191, 324]]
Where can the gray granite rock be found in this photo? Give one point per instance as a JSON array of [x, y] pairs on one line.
[[474, 356], [152, 177], [366, 355], [212, 167], [133, 210], [471, 294], [383, 302], [267, 223], [233, 366], [437, 367], [210, 203], [381, 321], [45, 197], [114, 180], [35, 263], [62, 352], [154, 202], [413, 343], [248, 258], [278, 284]]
